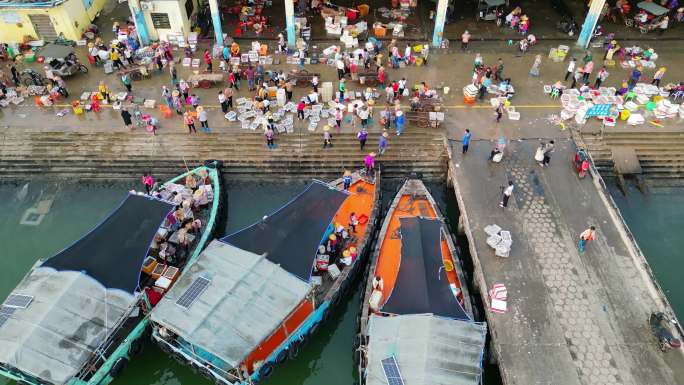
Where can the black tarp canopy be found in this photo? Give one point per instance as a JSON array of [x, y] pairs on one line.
[[290, 236], [422, 285], [114, 251]]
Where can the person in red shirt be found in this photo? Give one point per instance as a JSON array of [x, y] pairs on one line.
[[207, 59], [300, 109]]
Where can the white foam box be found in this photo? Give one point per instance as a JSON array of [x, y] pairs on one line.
[[493, 241], [333, 271], [492, 229]]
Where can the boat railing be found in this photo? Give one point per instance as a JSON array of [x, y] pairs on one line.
[[222, 375], [99, 356]]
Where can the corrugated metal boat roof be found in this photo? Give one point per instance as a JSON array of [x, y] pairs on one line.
[[248, 297], [429, 349], [80, 294]]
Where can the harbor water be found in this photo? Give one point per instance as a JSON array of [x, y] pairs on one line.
[[40, 218]]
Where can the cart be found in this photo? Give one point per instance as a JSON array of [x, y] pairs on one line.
[[205, 80], [491, 10], [369, 78], [428, 104], [303, 77], [419, 118], [62, 60], [138, 72], [655, 14]]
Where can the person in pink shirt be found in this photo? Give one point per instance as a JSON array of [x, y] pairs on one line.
[[148, 182], [588, 68], [369, 163]]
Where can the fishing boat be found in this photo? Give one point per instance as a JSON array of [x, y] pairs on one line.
[[416, 322], [79, 316], [253, 298]]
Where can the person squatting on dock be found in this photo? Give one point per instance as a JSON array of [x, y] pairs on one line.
[[586, 236]]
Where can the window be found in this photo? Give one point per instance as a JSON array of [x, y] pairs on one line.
[[189, 7], [160, 20]]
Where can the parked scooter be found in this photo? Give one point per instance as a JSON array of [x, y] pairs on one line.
[[567, 24], [660, 325], [31, 77]]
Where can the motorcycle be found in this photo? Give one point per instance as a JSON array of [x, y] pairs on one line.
[[568, 25], [661, 329], [31, 77]]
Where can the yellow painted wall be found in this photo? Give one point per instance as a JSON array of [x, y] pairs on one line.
[[70, 18], [178, 18]]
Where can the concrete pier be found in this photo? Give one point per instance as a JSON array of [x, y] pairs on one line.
[[573, 318]]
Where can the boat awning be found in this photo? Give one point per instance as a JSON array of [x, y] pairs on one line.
[[79, 295], [246, 299], [422, 285], [290, 236], [428, 349], [113, 253]]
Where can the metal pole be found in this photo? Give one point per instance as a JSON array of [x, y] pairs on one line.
[[290, 24], [139, 21], [590, 23], [216, 19], [440, 19]]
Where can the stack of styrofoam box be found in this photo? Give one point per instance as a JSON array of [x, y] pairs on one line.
[[499, 240]]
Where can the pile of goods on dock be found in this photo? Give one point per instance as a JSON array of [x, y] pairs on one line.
[[644, 101], [498, 297], [498, 239]]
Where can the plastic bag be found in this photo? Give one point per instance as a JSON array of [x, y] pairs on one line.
[[539, 155]]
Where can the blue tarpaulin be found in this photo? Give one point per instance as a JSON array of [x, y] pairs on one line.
[[599, 110]]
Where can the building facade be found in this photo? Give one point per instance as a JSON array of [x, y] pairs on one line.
[[46, 20]]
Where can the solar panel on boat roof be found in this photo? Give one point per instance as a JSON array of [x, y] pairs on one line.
[[193, 292], [6, 310], [391, 369], [5, 314], [18, 301]]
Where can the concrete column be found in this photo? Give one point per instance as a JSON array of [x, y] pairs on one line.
[[290, 23], [590, 23], [440, 19], [139, 21], [216, 19]]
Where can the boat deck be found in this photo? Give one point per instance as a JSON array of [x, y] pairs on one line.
[[573, 318]]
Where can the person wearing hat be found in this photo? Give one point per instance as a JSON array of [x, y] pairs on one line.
[[465, 39], [383, 142], [363, 115], [327, 137], [203, 118], [114, 57], [369, 163], [658, 76], [346, 179], [190, 122]]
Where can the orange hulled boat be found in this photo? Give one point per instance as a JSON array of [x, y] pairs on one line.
[[416, 323], [254, 298]]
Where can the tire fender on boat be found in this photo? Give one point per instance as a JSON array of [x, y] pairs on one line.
[[118, 367], [136, 347], [314, 328], [266, 370], [179, 358], [293, 349], [281, 357]]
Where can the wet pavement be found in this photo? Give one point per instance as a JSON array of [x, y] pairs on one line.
[[573, 317]]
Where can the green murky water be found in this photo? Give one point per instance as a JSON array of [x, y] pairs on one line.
[[75, 209]]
